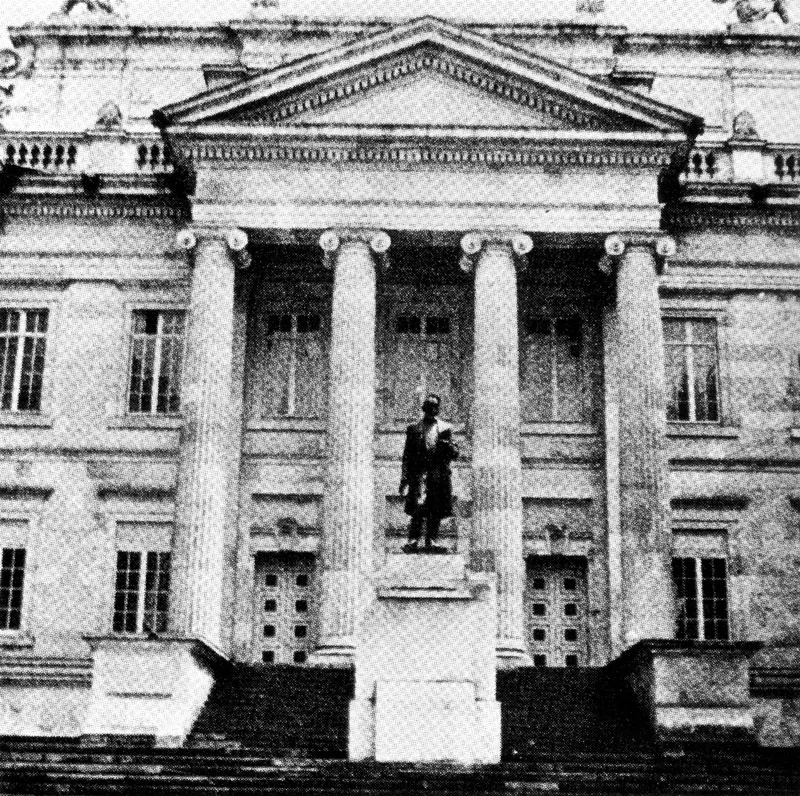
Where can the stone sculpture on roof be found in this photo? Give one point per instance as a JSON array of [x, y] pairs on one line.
[[750, 11], [115, 7]]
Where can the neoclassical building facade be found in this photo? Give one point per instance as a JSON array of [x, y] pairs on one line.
[[234, 257]]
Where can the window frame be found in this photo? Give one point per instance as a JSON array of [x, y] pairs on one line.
[[153, 415], [400, 299], [27, 539], [141, 591], [36, 417], [728, 423], [290, 299], [700, 598]]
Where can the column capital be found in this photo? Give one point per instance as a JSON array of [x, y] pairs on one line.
[[236, 240], [332, 240], [473, 243], [616, 244]]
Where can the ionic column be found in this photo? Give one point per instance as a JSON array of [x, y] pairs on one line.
[[643, 481], [204, 465], [496, 461], [348, 515]]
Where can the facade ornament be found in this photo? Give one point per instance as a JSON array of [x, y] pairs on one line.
[[117, 8], [616, 244], [109, 117], [744, 127], [472, 243], [237, 241], [263, 8], [378, 240], [186, 240], [749, 12], [590, 6]]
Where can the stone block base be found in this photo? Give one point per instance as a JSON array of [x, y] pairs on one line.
[[144, 687], [693, 691], [425, 666]]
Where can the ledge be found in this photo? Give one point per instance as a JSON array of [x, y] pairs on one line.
[[25, 420], [710, 502], [286, 424], [16, 640], [712, 430], [202, 649], [559, 429], [150, 422]]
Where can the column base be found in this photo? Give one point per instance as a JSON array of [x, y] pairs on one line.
[[152, 687], [337, 653], [512, 655]]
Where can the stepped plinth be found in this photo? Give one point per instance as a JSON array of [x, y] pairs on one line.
[[425, 665]]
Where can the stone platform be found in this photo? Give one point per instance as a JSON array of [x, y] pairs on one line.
[[425, 666]]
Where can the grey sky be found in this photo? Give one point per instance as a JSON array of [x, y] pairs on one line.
[[636, 14]]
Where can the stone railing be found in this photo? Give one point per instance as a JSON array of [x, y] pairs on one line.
[[91, 153], [783, 165]]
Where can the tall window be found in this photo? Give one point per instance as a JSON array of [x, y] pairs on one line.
[[553, 371], [141, 600], [692, 370], [12, 579], [23, 338], [701, 588], [156, 361], [294, 374], [423, 361]]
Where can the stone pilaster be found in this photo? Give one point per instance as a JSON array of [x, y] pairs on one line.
[[348, 516], [643, 480], [204, 468], [496, 461]]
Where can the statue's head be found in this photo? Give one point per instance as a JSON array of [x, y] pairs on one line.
[[430, 406]]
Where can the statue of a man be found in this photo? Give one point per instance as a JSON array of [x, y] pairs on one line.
[[426, 480]]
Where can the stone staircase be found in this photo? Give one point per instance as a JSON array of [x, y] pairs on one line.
[[552, 710], [283, 730], [30, 767], [284, 711]]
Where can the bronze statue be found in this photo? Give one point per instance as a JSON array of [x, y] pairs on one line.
[[426, 480]]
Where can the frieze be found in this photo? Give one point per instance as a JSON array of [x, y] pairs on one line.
[[420, 154], [706, 219], [71, 209], [514, 91]]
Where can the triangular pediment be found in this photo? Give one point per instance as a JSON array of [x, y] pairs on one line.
[[427, 74]]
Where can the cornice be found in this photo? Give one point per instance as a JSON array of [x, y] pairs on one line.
[[75, 207], [698, 217], [565, 153]]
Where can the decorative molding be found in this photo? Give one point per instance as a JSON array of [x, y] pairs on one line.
[[70, 207], [683, 218], [25, 492], [377, 152], [710, 502], [549, 104], [135, 491], [31, 670]]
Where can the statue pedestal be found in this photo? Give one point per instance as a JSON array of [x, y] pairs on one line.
[[425, 665]]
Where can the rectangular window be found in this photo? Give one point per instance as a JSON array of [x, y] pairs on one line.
[[692, 365], [156, 362], [295, 370], [12, 579], [23, 338], [553, 375], [423, 360], [141, 600], [701, 589]]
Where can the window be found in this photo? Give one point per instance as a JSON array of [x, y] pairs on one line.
[[295, 368], [23, 337], [12, 578], [553, 370], [702, 603], [692, 366], [141, 602], [156, 362], [423, 360]]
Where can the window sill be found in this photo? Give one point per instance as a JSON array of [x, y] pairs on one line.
[[15, 639], [166, 422], [559, 429], [286, 424], [712, 430], [25, 420]]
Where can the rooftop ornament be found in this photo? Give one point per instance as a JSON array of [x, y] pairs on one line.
[[101, 9], [753, 11]]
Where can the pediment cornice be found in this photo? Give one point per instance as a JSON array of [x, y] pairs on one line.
[[528, 91]]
